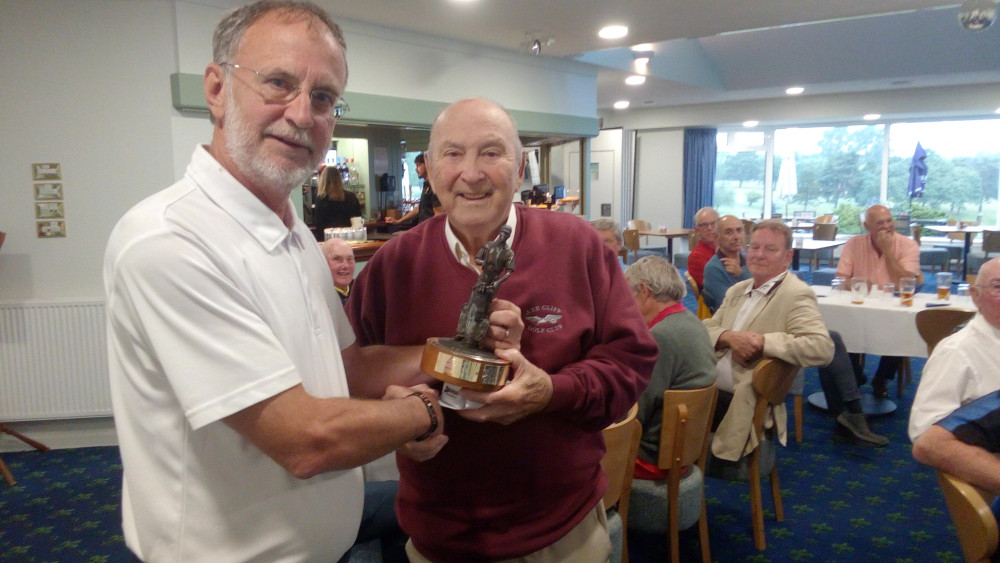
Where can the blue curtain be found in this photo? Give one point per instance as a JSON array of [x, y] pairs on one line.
[[699, 171]]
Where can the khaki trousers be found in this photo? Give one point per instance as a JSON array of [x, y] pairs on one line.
[[588, 542]]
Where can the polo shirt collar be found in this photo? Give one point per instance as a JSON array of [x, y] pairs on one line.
[[260, 222], [458, 249], [666, 312]]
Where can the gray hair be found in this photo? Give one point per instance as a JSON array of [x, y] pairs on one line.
[[659, 275], [778, 226], [229, 33], [604, 224]]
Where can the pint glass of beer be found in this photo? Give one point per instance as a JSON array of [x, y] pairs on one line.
[[907, 287], [943, 285]]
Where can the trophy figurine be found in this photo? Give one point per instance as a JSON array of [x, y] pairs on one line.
[[461, 362]]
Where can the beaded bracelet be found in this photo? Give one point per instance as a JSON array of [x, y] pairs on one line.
[[430, 411]]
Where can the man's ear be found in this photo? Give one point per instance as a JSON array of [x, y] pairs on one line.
[[214, 95], [524, 162]]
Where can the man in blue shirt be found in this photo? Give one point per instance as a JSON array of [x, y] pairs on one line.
[[728, 266]]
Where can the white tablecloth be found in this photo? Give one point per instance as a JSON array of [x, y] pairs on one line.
[[880, 326]]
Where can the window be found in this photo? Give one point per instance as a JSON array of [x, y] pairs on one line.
[[842, 170]]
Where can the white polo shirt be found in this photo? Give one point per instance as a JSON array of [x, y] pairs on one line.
[[214, 305]]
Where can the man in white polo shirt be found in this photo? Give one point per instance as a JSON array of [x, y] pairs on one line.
[[230, 356]]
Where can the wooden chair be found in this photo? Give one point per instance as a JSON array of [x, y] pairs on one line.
[[621, 442], [975, 524], [687, 425], [703, 311], [4, 429], [747, 227], [640, 225], [823, 231], [630, 239], [827, 218], [934, 325], [772, 378]]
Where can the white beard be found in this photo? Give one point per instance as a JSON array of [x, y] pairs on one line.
[[242, 143]]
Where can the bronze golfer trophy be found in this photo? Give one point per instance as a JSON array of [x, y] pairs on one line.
[[461, 362]]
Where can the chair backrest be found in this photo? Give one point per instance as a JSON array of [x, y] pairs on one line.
[[631, 239], [991, 241], [825, 231], [621, 443], [693, 285], [772, 378], [936, 324], [639, 225], [747, 227], [916, 230], [687, 425], [826, 218], [975, 524]]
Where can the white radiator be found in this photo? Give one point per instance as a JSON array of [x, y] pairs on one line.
[[53, 360]]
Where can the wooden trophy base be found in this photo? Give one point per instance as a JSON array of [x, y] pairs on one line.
[[454, 361]]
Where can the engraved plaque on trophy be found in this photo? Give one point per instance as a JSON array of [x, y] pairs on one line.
[[461, 362]]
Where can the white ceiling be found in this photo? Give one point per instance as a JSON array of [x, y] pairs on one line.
[[717, 50]]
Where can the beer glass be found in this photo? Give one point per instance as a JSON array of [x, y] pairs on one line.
[[943, 285], [888, 291], [907, 287], [859, 290]]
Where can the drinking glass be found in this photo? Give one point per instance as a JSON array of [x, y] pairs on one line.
[[888, 291], [907, 287], [837, 288], [962, 295], [859, 290], [943, 285]]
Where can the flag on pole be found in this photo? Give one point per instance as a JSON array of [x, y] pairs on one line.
[[918, 173]]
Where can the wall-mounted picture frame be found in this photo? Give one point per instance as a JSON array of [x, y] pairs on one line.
[[49, 190], [49, 210], [51, 229], [46, 171]]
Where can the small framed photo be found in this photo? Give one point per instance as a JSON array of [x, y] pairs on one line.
[[46, 171], [51, 229], [49, 190], [49, 210]]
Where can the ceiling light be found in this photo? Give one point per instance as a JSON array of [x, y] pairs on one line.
[[613, 32], [997, 111], [977, 15], [635, 80], [621, 104], [795, 90], [871, 116], [643, 47], [751, 123]]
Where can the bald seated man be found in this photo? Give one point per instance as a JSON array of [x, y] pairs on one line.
[[340, 257], [881, 256]]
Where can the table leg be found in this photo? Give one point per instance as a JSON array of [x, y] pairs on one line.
[[965, 256], [795, 259], [670, 250]]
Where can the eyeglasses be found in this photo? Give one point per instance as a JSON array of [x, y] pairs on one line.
[[993, 289], [704, 225], [281, 88]]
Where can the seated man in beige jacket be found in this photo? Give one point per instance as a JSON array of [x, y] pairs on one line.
[[773, 314]]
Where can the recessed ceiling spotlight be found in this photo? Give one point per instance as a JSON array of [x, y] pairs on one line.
[[635, 80], [795, 90], [621, 104], [751, 123], [613, 32], [997, 111], [871, 116], [643, 47]]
